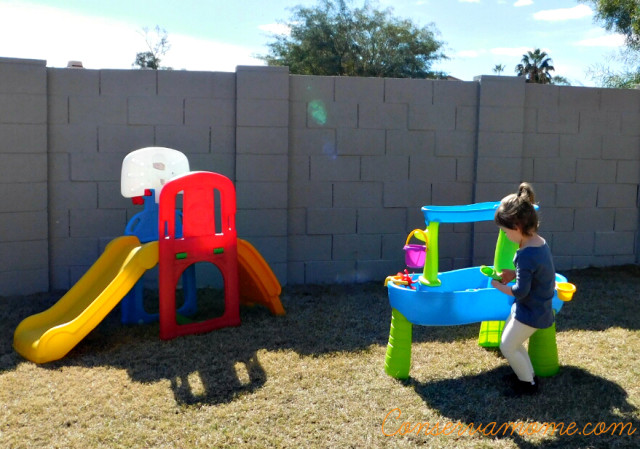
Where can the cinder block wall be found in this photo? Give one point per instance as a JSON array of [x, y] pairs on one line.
[[330, 172]]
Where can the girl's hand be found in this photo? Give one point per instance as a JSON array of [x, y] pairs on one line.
[[506, 289]]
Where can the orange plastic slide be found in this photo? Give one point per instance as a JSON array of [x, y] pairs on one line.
[[257, 282], [50, 335]]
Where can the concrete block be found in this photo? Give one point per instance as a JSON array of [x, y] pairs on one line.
[[124, 83], [573, 243], [19, 138], [356, 247], [295, 273], [65, 82], [24, 282], [382, 116], [392, 244], [630, 123], [273, 249], [331, 114], [492, 191], [357, 194], [96, 222], [257, 82], [110, 197], [261, 223], [155, 110], [412, 194], [16, 198], [297, 221], [594, 219], [258, 195], [539, 96], [23, 226], [530, 120], [262, 140], [330, 272], [342, 168], [434, 169], [382, 221], [408, 90], [626, 100], [75, 195], [581, 98], [466, 118], [455, 143], [541, 145], [59, 167], [401, 142], [385, 168], [465, 169], [331, 221], [501, 119], [360, 142], [98, 166], [621, 147], [626, 219], [359, 89], [262, 113], [595, 170], [374, 270], [299, 169], [298, 114], [460, 93], [493, 144], [22, 76], [491, 169], [307, 88], [188, 139], [209, 112], [311, 194], [504, 91], [23, 168], [446, 194], [600, 122], [73, 138], [57, 109], [577, 195], [124, 139], [628, 172], [264, 167], [556, 170], [558, 121], [74, 251], [179, 83], [223, 139], [317, 141], [302, 248], [618, 195], [432, 116], [24, 255], [586, 146], [23, 108], [614, 243], [110, 110]]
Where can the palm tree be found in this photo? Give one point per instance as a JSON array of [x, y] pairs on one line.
[[535, 66], [498, 69]]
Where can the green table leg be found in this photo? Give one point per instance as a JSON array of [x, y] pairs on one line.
[[398, 359], [543, 352]]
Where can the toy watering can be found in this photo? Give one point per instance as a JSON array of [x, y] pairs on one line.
[[415, 254]]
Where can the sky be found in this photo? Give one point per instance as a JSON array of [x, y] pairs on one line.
[[218, 35]]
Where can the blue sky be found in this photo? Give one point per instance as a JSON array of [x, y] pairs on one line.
[[221, 34]]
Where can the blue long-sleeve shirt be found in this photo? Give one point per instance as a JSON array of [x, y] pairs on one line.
[[535, 286]]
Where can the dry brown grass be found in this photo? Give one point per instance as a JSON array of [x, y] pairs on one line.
[[314, 378]]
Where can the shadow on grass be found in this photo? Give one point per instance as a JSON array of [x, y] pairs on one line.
[[572, 396], [319, 320]]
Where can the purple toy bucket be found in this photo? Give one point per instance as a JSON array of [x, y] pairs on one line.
[[415, 254]]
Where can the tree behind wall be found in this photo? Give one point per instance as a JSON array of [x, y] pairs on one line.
[[333, 39]]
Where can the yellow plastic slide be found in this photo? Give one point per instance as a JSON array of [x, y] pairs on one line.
[[257, 282], [51, 334]]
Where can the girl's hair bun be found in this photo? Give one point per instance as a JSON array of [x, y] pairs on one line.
[[526, 193]]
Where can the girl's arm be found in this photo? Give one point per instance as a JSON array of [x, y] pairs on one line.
[[506, 289]]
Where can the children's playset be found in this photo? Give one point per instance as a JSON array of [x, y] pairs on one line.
[[460, 296], [175, 238]]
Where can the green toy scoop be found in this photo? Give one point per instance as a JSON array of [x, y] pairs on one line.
[[491, 272]]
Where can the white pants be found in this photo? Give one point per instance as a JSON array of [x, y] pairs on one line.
[[514, 335]]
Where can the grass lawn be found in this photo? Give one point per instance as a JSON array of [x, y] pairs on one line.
[[315, 379]]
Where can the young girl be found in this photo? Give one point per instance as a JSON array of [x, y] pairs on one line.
[[534, 286]]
